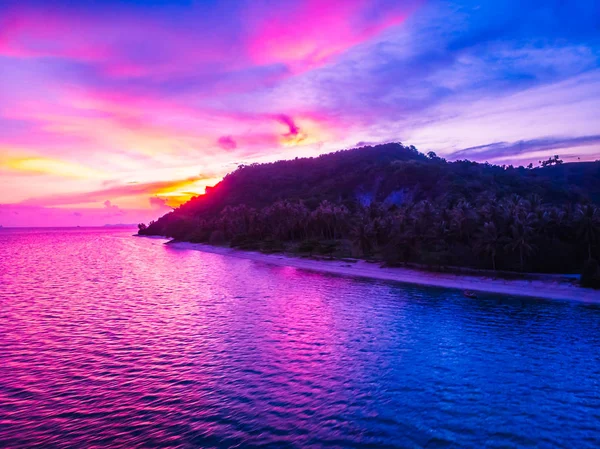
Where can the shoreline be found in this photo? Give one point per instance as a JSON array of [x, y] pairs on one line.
[[535, 288]]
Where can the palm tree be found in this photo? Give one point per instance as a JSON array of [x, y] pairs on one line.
[[488, 241], [589, 226], [362, 235], [514, 209], [461, 217], [520, 238], [324, 219]]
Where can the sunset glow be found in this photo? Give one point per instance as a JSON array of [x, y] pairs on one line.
[[114, 112]]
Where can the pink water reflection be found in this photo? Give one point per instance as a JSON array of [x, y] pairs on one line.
[[115, 340]]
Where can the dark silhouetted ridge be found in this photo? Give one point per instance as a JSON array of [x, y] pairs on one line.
[[394, 203]]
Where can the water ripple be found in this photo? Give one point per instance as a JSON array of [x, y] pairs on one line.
[[112, 340]]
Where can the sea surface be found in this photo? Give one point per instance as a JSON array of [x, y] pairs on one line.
[[111, 340]]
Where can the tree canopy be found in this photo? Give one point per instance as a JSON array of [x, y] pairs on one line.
[[395, 203]]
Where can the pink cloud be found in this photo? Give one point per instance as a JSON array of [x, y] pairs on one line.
[[227, 143], [160, 204], [302, 35], [101, 113], [112, 209], [308, 34], [289, 122], [124, 89], [119, 191]]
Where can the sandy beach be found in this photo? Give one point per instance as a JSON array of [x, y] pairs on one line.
[[547, 288]]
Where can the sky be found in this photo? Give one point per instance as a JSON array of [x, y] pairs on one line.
[[117, 111]]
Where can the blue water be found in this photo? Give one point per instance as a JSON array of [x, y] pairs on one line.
[[114, 340]]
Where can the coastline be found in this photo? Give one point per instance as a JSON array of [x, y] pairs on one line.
[[535, 288]]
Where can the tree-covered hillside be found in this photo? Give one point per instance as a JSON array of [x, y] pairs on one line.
[[392, 202]]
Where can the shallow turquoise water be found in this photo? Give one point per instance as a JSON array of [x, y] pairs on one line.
[[114, 340]]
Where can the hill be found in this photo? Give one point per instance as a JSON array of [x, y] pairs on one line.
[[392, 202]]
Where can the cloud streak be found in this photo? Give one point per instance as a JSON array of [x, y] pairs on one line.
[[95, 92], [119, 191], [504, 150]]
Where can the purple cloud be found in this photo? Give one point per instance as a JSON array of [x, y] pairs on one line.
[[294, 130], [504, 150]]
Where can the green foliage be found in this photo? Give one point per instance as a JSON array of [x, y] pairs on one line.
[[396, 204], [551, 161]]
